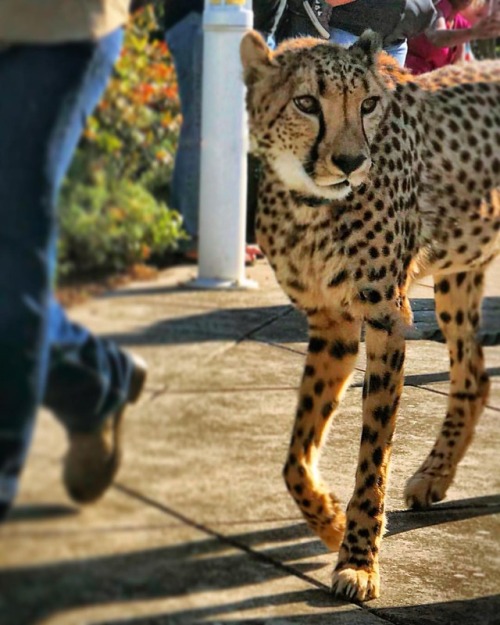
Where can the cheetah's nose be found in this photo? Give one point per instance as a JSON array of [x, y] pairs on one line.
[[347, 163]]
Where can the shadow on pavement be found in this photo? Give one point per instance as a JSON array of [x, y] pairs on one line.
[[478, 611], [421, 379], [232, 324], [145, 291], [483, 611], [224, 563], [406, 520], [442, 376], [30, 594], [39, 512]]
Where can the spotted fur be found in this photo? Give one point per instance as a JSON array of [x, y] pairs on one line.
[[371, 178]]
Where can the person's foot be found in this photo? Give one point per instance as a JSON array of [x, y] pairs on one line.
[[253, 250], [4, 510], [319, 13], [93, 458]]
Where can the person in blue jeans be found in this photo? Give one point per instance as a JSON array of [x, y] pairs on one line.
[[183, 25], [397, 49], [184, 37], [53, 74], [394, 20]]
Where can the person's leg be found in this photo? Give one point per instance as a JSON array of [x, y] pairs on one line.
[[398, 51], [90, 381], [87, 377], [42, 115], [40, 80], [342, 37], [185, 41], [294, 24]]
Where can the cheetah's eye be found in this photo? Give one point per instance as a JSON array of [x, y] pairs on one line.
[[307, 104], [369, 105]]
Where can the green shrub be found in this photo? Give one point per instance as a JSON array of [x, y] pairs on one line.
[[135, 127], [111, 225], [113, 211]]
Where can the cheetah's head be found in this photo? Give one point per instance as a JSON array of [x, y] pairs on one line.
[[314, 109]]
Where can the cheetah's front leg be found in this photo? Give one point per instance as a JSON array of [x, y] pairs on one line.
[[356, 575], [333, 347]]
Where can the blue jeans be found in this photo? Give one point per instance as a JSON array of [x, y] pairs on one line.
[[397, 50], [48, 92], [185, 41]]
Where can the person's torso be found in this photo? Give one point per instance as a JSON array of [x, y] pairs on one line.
[[381, 16], [393, 19], [59, 21], [265, 13], [176, 10]]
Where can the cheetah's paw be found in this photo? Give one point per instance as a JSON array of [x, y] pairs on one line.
[[424, 489], [356, 584], [332, 534]]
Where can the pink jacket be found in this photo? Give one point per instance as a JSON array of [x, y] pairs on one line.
[[423, 56]]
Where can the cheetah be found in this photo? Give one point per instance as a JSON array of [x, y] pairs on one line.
[[372, 177]]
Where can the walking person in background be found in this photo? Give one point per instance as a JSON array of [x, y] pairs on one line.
[[56, 57], [443, 43], [343, 21], [184, 36], [394, 20]]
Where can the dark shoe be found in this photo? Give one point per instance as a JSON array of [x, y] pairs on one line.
[[319, 13], [4, 510], [93, 458]]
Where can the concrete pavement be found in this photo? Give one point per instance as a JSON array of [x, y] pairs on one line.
[[199, 527]]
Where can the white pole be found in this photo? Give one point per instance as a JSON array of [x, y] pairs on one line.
[[224, 146]]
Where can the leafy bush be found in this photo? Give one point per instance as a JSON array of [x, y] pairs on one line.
[[112, 209], [135, 127], [111, 225]]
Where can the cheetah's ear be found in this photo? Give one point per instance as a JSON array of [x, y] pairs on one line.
[[367, 45], [255, 57]]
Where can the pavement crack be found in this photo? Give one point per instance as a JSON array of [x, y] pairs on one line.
[[265, 323], [228, 540], [263, 558]]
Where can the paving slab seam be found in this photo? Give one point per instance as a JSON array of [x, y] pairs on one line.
[[130, 492], [294, 350], [236, 389], [264, 324], [414, 380], [414, 384], [264, 521], [287, 348], [445, 394], [224, 349], [256, 555]]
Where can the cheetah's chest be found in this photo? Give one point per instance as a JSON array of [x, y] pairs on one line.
[[307, 258]]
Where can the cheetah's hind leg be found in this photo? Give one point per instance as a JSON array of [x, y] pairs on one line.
[[458, 307]]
